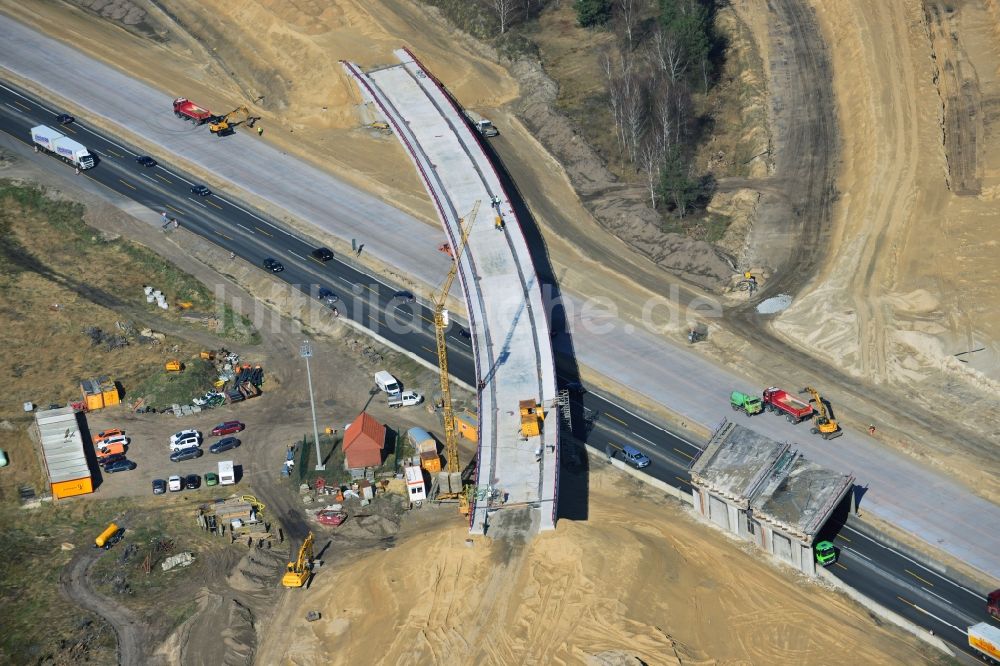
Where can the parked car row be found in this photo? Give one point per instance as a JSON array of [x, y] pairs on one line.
[[177, 483], [186, 444], [110, 446]]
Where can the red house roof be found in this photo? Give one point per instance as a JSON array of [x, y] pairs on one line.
[[363, 442]]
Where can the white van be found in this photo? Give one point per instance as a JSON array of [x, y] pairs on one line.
[[387, 382], [227, 474], [188, 442]]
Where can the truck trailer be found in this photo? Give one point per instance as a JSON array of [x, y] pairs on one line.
[[984, 639], [227, 473], [782, 402], [56, 143], [188, 110]]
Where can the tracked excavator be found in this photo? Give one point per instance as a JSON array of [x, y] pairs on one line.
[[823, 424], [300, 570], [224, 125]]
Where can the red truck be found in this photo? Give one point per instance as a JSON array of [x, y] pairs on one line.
[[782, 402], [185, 108]]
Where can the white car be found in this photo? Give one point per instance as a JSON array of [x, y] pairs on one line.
[[189, 442], [184, 434], [405, 399], [115, 439], [174, 484]]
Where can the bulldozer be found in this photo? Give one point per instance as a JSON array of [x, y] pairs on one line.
[[823, 424], [221, 126], [298, 572], [382, 127], [173, 365]]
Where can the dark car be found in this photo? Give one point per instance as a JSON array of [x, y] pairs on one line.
[[107, 460], [273, 265], [227, 428], [65, 119], [159, 486], [200, 190], [405, 296], [186, 454], [146, 161], [327, 296], [192, 482], [119, 466], [322, 254], [224, 445]]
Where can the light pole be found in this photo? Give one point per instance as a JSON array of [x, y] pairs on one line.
[[306, 352]]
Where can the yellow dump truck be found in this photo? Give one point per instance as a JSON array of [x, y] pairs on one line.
[[111, 535]]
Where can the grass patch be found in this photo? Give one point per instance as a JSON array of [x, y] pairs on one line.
[[238, 328], [164, 388]]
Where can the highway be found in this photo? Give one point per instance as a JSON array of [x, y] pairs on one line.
[[887, 576]]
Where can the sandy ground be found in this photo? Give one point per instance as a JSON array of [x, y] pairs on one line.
[[640, 576]]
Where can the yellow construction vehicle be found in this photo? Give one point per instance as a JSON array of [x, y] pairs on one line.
[[224, 125], [173, 365], [300, 570], [382, 127], [823, 424], [440, 325], [531, 418]]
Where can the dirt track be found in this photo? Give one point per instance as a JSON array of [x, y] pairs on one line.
[[76, 585]]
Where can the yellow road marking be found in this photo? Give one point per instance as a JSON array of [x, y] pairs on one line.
[[840, 565], [114, 153], [261, 230], [429, 349], [66, 129], [429, 321], [223, 235], [165, 180], [212, 203], [22, 105], [686, 455], [905, 601], [128, 185], [841, 536], [684, 481], [615, 418], [316, 260], [179, 212], [918, 577], [372, 289]]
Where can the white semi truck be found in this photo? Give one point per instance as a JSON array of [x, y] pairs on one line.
[[984, 638], [58, 144]]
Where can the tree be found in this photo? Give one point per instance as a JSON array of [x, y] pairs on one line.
[[628, 10], [505, 12], [676, 184], [592, 12]]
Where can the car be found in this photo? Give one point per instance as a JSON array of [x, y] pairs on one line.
[[65, 119], [109, 441], [114, 457], [322, 254], [635, 457], [327, 296], [826, 554], [200, 190], [405, 296], [191, 441], [184, 434], [146, 161], [228, 428], [273, 265], [211, 479], [186, 454], [192, 482], [224, 445], [122, 465], [159, 486], [175, 483], [104, 434]]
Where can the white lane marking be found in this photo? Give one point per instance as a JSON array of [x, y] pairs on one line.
[[104, 138], [635, 434], [197, 202], [910, 559], [14, 107], [650, 423], [936, 595], [296, 255], [242, 227], [851, 550], [150, 179], [257, 217], [949, 624]]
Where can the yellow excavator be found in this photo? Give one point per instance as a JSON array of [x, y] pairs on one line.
[[224, 125], [300, 570], [823, 424]]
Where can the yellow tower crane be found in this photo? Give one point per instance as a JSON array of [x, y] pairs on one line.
[[450, 432]]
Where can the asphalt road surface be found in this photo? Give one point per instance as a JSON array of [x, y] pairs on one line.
[[915, 591]]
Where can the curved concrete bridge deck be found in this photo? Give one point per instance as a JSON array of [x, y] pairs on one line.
[[508, 320]]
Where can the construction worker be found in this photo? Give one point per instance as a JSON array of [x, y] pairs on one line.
[[260, 131]]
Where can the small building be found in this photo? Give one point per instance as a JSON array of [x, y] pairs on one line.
[[364, 442], [763, 491], [416, 489], [426, 448], [63, 453], [99, 393], [467, 425]]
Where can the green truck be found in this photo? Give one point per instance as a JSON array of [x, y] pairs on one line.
[[748, 404]]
